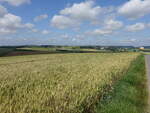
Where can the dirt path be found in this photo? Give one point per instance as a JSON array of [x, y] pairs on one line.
[[147, 58]]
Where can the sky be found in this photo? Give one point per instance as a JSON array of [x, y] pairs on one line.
[[75, 22]]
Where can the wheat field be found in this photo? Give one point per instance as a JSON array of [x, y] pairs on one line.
[[58, 83]]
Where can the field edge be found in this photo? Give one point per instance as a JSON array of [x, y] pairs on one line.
[[130, 94]]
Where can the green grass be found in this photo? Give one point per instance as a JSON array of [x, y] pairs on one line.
[[48, 49], [56, 49], [4, 51], [130, 93], [146, 50]]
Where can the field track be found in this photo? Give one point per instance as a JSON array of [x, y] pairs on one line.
[[148, 75]]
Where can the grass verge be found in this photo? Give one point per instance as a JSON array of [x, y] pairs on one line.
[[129, 95]]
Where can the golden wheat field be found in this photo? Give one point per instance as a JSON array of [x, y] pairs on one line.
[[58, 83]]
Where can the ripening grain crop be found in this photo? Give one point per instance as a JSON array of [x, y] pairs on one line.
[[62, 83]]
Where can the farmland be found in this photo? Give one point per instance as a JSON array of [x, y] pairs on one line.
[[49, 49], [58, 83]]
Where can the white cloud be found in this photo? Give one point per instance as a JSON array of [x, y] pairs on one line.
[[29, 25], [135, 8], [132, 40], [34, 30], [16, 2], [45, 32], [10, 23], [101, 32], [108, 28], [63, 22], [41, 17], [74, 15], [3, 10], [113, 24], [136, 27], [83, 11]]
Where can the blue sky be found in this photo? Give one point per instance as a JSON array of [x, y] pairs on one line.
[[75, 22]]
